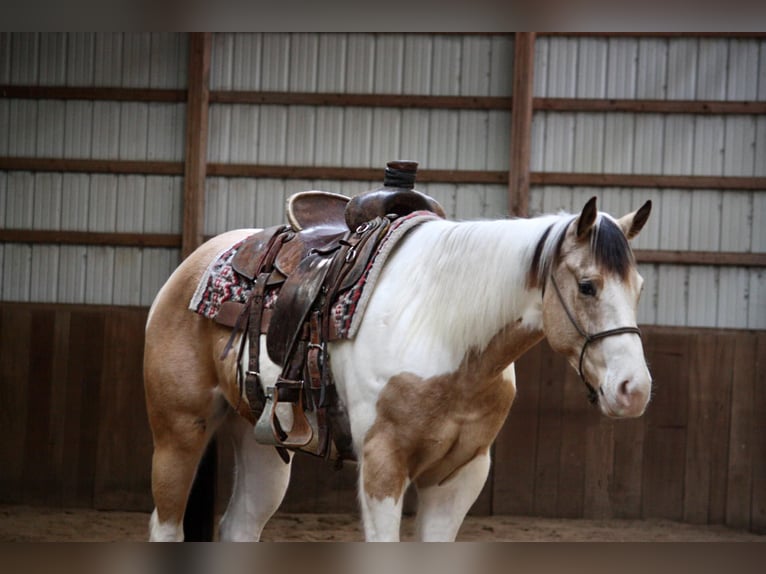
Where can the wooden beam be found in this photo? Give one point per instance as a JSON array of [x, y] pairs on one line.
[[652, 181], [650, 106], [521, 123], [91, 166], [720, 258], [59, 237], [195, 167], [656, 34], [86, 93]]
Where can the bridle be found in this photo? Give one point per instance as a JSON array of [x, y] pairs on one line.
[[589, 338]]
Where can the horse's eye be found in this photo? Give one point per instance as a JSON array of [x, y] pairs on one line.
[[587, 288]]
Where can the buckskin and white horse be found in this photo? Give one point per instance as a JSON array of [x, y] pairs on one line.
[[427, 380]]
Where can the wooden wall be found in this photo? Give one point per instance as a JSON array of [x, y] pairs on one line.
[[76, 433]]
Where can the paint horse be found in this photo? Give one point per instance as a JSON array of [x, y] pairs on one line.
[[427, 380]]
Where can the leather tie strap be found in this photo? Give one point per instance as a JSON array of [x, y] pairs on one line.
[[589, 338]]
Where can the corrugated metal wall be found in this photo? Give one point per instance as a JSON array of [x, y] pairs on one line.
[[90, 130], [423, 64], [667, 144]]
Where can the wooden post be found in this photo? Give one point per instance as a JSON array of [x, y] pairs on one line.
[[197, 103], [521, 122]]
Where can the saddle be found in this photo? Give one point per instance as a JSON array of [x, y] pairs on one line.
[[327, 245]]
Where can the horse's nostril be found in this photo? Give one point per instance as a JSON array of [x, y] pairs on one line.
[[625, 388]]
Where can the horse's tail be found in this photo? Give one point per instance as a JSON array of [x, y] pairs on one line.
[[199, 519]]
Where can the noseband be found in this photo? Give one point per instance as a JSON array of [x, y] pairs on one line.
[[589, 338]]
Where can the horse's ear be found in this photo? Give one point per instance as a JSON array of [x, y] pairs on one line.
[[633, 223], [587, 218]]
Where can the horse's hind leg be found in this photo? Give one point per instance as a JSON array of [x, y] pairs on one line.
[[442, 508], [260, 482]]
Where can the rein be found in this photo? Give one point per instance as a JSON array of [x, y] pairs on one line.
[[589, 338]]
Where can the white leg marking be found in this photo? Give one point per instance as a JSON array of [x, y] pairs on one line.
[[164, 532], [260, 482], [381, 518], [441, 509]]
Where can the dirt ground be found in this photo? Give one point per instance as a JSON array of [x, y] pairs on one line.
[[32, 524]]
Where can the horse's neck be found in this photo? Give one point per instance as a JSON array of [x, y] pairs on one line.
[[471, 284]]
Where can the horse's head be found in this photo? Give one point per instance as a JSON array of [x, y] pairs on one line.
[[591, 288]]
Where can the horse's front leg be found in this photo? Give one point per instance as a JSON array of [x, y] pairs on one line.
[[442, 507], [382, 482]]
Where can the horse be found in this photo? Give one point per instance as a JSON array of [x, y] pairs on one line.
[[428, 379]]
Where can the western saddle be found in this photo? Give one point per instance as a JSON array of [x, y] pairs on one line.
[[323, 252]]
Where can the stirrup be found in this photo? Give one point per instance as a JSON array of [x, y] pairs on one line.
[[269, 431]]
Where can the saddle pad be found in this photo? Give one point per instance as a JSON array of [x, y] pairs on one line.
[[348, 310]]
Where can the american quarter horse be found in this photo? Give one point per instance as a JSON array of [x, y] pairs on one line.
[[427, 381]]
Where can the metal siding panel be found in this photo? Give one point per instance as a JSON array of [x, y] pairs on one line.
[[332, 63], [72, 271], [475, 66], [589, 143], [78, 129], [216, 205], [248, 61], [742, 80], [499, 140], [102, 207], [387, 130], [682, 68], [17, 265], [360, 64], [389, 63], [329, 135], [270, 203], [74, 206], [501, 66], [19, 200], [50, 128], [703, 296], [418, 59], [169, 60], [445, 79], [616, 201], [622, 68], [537, 145], [105, 142], [81, 50], [592, 55], [760, 146], [762, 71], [43, 285], [107, 68], [706, 217], [442, 135], [241, 206], [675, 223], [733, 297], [649, 132], [222, 61], [22, 133], [301, 134], [651, 80], [414, 133], [470, 202], [713, 56], [708, 145], [647, 305], [756, 318], [3, 195], [737, 221], [136, 53], [446, 195], [559, 142], [556, 199], [5, 58], [53, 56], [619, 136], [357, 137], [134, 127], [131, 196], [303, 63], [156, 267], [47, 201], [581, 196], [219, 135], [562, 67], [166, 127], [244, 138], [99, 275], [127, 276], [542, 50], [678, 145], [472, 139], [5, 126], [496, 204], [163, 206], [739, 146], [649, 238], [672, 295], [25, 59], [758, 244], [272, 135]]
